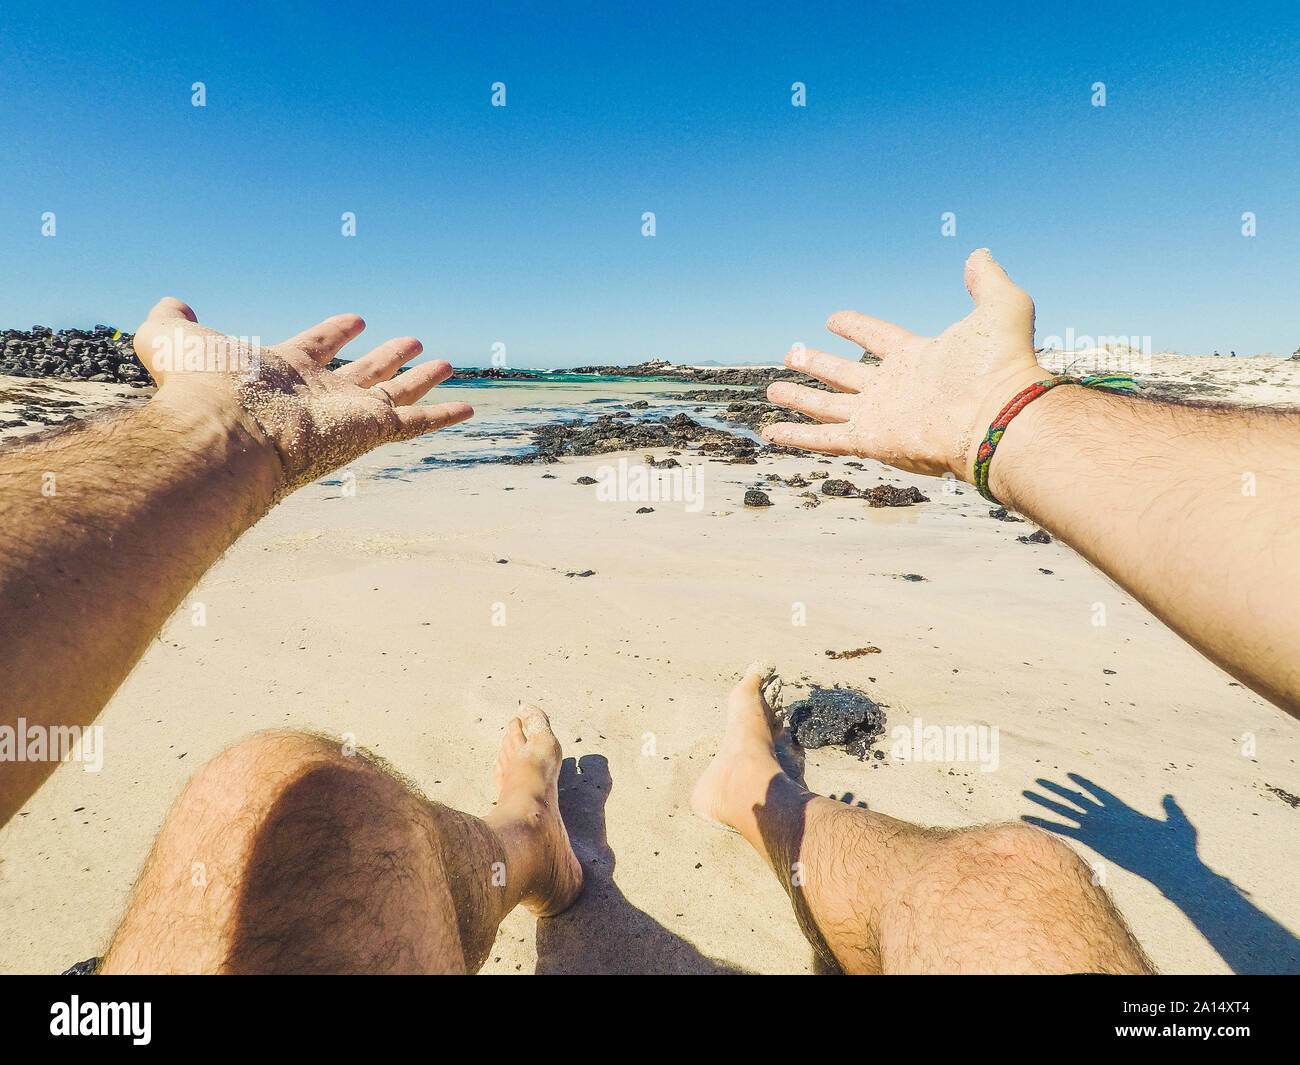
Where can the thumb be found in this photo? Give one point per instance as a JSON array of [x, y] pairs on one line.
[[989, 286], [168, 308], [1174, 815]]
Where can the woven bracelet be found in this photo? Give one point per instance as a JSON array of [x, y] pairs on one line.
[[984, 457]]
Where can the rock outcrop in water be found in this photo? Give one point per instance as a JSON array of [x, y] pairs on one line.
[[493, 373], [607, 434], [744, 376]]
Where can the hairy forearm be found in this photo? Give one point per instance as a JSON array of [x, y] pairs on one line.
[[1193, 510], [104, 530]]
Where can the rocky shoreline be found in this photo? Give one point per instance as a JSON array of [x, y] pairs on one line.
[[620, 431], [106, 354], [101, 354]]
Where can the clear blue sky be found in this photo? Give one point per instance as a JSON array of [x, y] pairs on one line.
[[523, 224]]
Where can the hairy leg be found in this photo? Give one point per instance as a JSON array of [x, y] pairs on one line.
[[877, 895], [284, 854]]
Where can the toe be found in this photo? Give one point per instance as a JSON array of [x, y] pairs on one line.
[[534, 721], [514, 738], [748, 694]]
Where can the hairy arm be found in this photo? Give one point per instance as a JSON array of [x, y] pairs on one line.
[[1194, 510], [105, 528]]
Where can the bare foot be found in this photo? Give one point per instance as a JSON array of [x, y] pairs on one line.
[[738, 777], [526, 772]]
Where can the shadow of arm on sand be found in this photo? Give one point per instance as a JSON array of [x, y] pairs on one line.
[[602, 932], [1165, 853]]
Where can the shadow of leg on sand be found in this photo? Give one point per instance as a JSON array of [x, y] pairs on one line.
[[602, 932], [1164, 852]]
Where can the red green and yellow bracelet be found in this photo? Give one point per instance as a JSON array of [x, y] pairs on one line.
[[984, 457]]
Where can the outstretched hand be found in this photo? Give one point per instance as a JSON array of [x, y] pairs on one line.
[[928, 404], [314, 419]]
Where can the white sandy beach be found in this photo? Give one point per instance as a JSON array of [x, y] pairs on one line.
[[373, 614]]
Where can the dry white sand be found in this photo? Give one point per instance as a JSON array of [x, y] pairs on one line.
[[372, 614]]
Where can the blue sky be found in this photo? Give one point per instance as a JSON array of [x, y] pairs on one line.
[[522, 225]]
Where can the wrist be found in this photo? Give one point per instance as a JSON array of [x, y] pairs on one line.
[[222, 435], [1011, 469], [996, 397]]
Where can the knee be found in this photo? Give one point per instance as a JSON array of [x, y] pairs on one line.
[[1016, 848], [254, 772]]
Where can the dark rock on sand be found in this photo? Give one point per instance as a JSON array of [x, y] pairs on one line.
[[645, 510], [758, 416], [1002, 514], [1038, 537], [857, 652], [717, 395], [836, 717], [585, 480], [755, 498], [837, 487], [888, 495], [584, 573]]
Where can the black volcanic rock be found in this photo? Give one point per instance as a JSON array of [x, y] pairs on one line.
[[99, 354], [836, 717], [607, 434], [742, 376], [888, 495], [493, 373], [1037, 537]]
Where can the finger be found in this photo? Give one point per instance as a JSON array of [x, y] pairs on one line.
[[406, 388], [382, 363], [828, 439], [989, 285], [1070, 795], [416, 421], [168, 308], [1068, 812], [824, 406], [873, 335], [1050, 826], [830, 369], [322, 342], [1102, 796]]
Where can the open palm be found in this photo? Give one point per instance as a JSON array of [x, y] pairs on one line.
[[315, 419], [926, 407]]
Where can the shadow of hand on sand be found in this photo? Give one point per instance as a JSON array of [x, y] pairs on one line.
[[1164, 852], [602, 932]]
